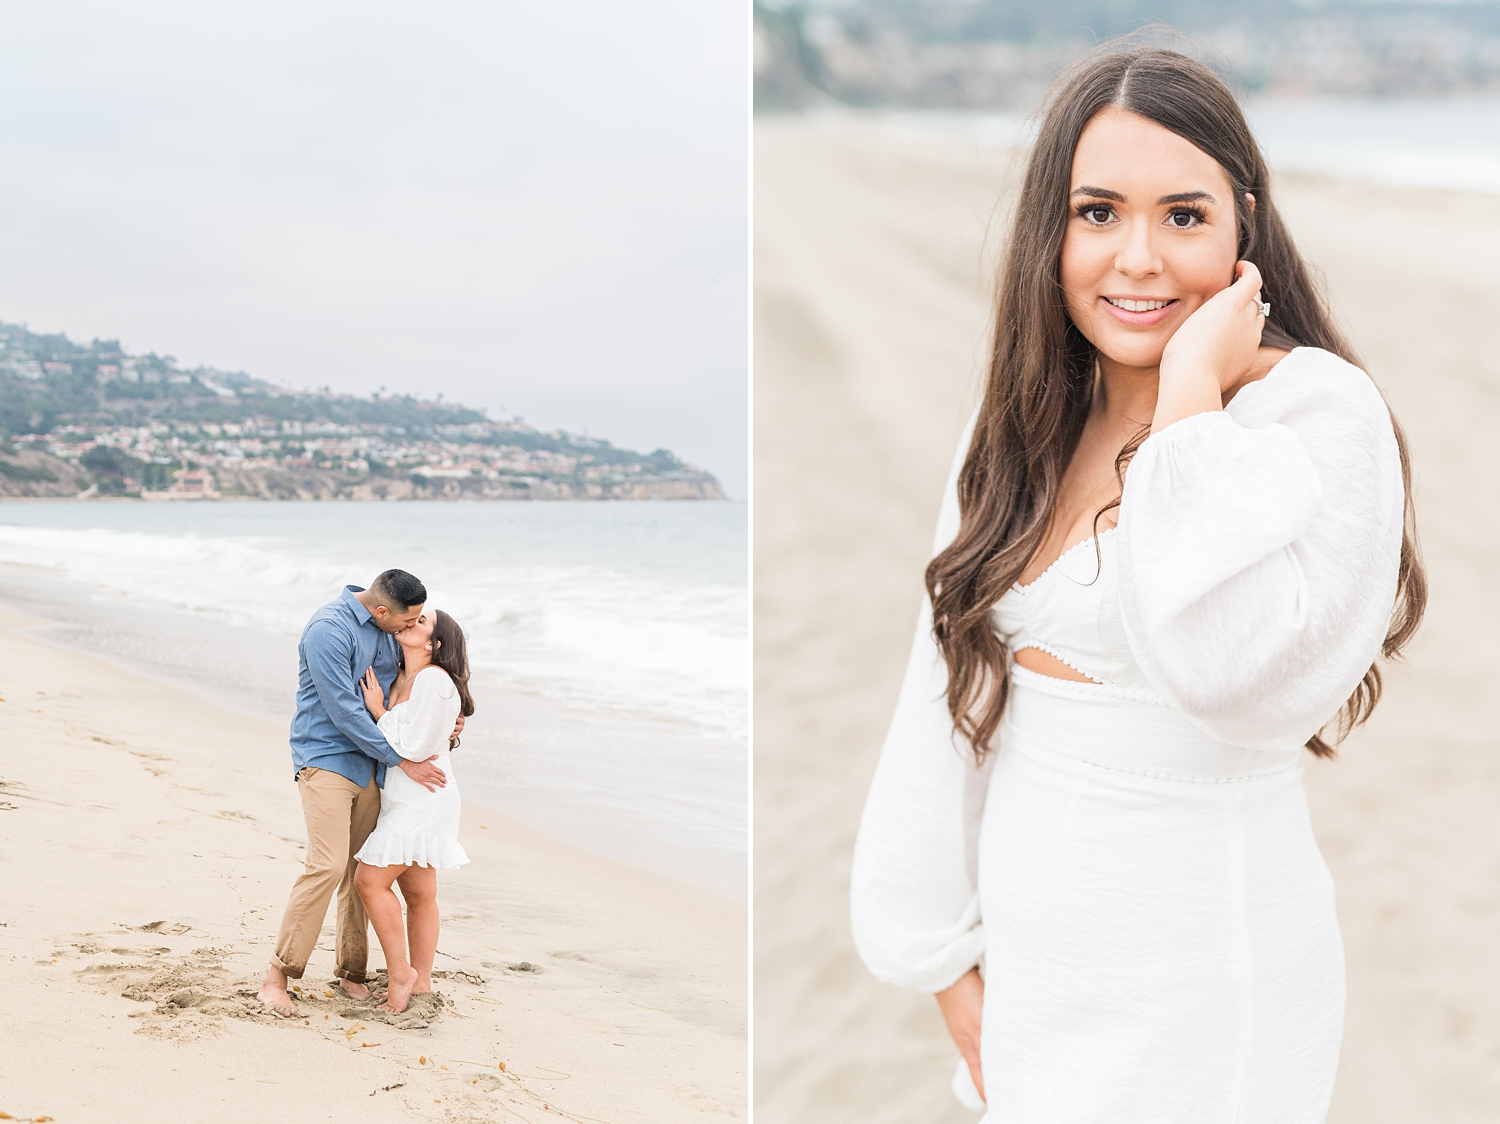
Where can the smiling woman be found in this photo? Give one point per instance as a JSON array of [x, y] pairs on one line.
[[1092, 784]]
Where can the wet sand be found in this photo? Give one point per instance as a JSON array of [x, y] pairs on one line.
[[149, 840], [874, 251]]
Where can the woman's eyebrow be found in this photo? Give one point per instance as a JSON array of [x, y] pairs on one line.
[[1097, 192], [1178, 197]]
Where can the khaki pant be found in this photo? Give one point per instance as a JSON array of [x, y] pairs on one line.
[[340, 816]]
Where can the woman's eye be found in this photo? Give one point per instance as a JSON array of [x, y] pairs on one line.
[[1182, 220], [1098, 216]]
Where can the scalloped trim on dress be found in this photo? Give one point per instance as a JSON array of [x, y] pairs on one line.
[[1072, 689], [1058, 561], [1093, 681], [389, 848], [1030, 749]]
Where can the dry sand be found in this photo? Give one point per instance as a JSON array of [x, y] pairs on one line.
[[148, 842], [871, 301]]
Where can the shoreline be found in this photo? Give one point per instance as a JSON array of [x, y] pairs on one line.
[[125, 802], [629, 784]]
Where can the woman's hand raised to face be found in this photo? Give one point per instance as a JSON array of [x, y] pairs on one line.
[[374, 696], [1214, 349]]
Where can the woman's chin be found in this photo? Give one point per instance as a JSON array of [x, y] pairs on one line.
[[1138, 353]]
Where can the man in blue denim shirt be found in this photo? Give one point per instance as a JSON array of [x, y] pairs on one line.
[[339, 757]]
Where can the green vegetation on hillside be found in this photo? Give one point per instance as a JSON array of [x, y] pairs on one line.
[[51, 385]]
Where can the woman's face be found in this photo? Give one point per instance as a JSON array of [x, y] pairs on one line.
[[1151, 236], [418, 634]]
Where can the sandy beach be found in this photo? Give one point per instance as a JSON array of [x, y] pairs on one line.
[[874, 251], [149, 841]]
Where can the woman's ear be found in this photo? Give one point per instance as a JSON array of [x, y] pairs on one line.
[[1250, 199]]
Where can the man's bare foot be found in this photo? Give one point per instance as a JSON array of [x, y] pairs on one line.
[[402, 982], [354, 990], [273, 993]]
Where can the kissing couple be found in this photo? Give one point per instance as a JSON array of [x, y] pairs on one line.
[[382, 694]]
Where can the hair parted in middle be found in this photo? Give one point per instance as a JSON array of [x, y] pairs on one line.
[[1041, 373]]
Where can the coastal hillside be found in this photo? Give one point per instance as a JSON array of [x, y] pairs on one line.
[[91, 420], [1002, 54]]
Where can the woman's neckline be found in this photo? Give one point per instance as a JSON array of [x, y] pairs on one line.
[[413, 681], [1018, 587], [1023, 587]]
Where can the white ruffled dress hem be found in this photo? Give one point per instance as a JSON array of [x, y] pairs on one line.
[[390, 848]]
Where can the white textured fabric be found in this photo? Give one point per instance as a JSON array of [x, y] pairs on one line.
[[415, 825], [1133, 862]]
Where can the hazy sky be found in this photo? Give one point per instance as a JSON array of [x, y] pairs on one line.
[[539, 208]]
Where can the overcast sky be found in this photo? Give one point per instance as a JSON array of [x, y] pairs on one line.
[[538, 208]]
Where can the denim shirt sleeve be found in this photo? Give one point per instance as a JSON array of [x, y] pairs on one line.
[[329, 656]]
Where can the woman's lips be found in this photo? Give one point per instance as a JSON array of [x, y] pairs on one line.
[[1142, 319]]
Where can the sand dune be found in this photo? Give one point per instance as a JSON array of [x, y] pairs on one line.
[[148, 842], [873, 248]]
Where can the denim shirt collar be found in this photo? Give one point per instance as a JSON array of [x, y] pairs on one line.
[[361, 614]]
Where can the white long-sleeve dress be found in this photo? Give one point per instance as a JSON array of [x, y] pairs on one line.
[[417, 825], [1133, 863]]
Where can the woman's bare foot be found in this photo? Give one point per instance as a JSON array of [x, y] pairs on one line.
[[354, 990], [402, 980], [274, 995]]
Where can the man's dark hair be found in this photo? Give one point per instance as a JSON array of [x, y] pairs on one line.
[[396, 589]]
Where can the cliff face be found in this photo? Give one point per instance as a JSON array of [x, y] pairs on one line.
[[314, 484], [39, 475]]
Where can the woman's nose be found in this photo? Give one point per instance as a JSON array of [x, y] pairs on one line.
[[1138, 256]]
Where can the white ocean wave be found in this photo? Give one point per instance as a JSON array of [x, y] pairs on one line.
[[596, 633]]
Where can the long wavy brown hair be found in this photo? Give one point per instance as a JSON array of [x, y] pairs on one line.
[[450, 651], [1041, 371]]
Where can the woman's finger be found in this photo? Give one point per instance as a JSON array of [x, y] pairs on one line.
[[1249, 278]]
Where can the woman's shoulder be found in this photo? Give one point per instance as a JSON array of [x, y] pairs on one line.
[[1308, 384], [434, 678]]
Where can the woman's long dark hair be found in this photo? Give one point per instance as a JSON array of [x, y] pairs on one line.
[[450, 651], [1041, 370]]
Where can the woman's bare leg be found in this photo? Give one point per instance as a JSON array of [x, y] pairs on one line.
[[419, 888], [384, 910]]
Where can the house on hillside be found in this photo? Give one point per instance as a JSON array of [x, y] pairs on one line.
[[189, 484]]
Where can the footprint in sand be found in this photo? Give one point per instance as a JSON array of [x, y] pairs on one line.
[[186, 993], [172, 930]]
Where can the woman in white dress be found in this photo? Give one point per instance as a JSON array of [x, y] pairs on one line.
[[1175, 540], [418, 827]]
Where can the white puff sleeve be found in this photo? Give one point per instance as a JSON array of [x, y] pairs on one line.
[[420, 727], [1259, 549], [914, 898]]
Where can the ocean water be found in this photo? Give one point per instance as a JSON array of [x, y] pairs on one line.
[[608, 642], [1447, 143]]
